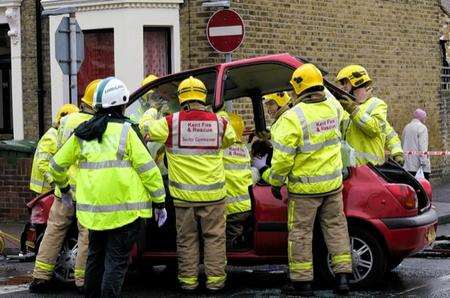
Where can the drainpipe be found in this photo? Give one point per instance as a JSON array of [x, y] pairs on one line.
[[40, 72]]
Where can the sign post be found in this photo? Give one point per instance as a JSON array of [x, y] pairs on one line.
[[225, 32]]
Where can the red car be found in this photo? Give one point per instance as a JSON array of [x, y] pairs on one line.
[[389, 212]]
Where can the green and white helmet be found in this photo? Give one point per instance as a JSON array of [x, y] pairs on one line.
[[111, 92]]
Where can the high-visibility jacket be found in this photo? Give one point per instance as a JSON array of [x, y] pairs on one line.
[[238, 178], [193, 141], [393, 142], [307, 148], [65, 130], [365, 131], [117, 179], [41, 180]]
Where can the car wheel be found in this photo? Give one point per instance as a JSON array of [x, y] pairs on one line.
[[368, 259], [65, 263]]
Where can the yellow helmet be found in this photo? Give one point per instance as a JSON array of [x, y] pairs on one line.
[[237, 123], [148, 79], [65, 110], [356, 74], [88, 97], [281, 98], [191, 89], [306, 77]]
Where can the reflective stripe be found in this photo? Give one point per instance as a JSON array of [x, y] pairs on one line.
[[318, 146], [291, 210], [300, 266], [221, 130], [39, 183], [316, 179], [391, 135], [303, 124], [56, 167], [366, 116], [189, 151], [44, 266], [175, 128], [372, 106], [158, 193], [194, 187], [236, 166], [123, 140], [369, 157], [44, 155], [105, 164], [339, 259], [146, 167], [240, 198], [274, 176], [216, 280], [283, 148], [114, 207], [79, 273], [188, 280]]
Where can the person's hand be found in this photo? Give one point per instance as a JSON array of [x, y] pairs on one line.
[[260, 162], [67, 197], [348, 104], [276, 192], [160, 216], [399, 159]]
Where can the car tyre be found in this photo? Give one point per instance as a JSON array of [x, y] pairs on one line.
[[368, 258]]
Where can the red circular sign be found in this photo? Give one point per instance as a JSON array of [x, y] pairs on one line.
[[225, 30]]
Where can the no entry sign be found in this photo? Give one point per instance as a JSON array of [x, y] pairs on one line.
[[225, 31]]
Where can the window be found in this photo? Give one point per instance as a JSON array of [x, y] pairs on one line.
[[157, 57], [98, 57], [5, 81]]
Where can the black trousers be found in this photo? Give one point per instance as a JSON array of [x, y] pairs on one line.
[[107, 261]]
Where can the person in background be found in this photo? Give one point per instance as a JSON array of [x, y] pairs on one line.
[[415, 138], [118, 183]]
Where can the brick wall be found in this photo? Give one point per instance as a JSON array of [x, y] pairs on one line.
[[396, 40], [15, 170]]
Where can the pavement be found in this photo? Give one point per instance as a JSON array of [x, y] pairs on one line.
[[441, 200]]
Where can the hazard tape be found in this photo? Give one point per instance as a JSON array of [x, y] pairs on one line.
[[427, 153]]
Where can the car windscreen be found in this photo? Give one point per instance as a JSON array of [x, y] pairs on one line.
[[261, 78], [164, 96]]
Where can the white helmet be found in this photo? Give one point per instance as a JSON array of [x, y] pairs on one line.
[[111, 92]]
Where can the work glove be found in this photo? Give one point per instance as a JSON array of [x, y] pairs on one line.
[[67, 197], [348, 104], [160, 216], [260, 162], [399, 159], [276, 192]]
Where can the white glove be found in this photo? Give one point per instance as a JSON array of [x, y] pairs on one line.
[[260, 162], [160, 216], [67, 199]]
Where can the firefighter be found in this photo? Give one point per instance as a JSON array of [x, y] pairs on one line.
[[62, 212], [41, 181], [194, 138], [117, 183], [366, 128], [307, 155], [277, 104], [238, 180]]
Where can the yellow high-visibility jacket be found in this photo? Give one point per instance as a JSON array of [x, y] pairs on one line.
[[238, 178], [117, 179], [193, 141], [365, 131], [41, 180], [307, 148], [68, 124], [393, 142]]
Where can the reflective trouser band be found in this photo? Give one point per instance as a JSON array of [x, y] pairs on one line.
[[316, 179], [188, 280], [236, 166], [216, 280], [79, 273], [194, 187], [107, 164], [240, 198], [114, 207], [294, 266], [44, 266], [291, 211], [342, 259]]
